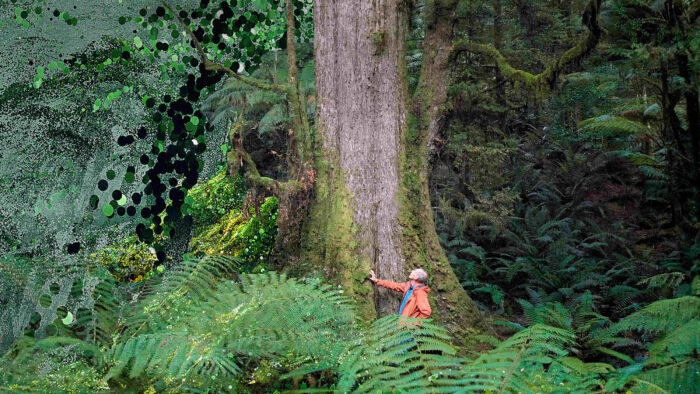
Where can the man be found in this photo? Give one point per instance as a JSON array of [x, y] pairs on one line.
[[415, 293]]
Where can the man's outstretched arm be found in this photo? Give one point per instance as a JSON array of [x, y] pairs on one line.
[[400, 287]]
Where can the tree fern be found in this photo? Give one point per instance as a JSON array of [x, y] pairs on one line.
[[680, 344], [636, 158], [266, 106], [588, 326], [667, 280], [194, 278], [675, 323], [679, 378]]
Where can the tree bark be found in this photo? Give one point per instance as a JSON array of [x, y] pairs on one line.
[[361, 100], [372, 206]]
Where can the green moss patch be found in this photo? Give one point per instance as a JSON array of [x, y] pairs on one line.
[[252, 239], [127, 260], [212, 200]]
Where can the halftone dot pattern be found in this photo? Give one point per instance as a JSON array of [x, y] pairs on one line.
[[100, 101]]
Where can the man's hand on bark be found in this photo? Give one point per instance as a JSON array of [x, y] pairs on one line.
[[372, 277]]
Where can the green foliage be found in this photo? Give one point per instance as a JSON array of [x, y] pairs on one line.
[[395, 354], [128, 260], [213, 199], [196, 329], [476, 193], [664, 281], [533, 360], [52, 365], [678, 344], [269, 107], [611, 126], [202, 327], [678, 378], [545, 258], [673, 356], [583, 95], [587, 326], [200, 332], [251, 240], [661, 316]]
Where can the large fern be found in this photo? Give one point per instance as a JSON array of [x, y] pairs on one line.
[[673, 357], [678, 378], [395, 354], [661, 316], [268, 107], [200, 329], [580, 318], [533, 360], [391, 357], [677, 345], [611, 126]]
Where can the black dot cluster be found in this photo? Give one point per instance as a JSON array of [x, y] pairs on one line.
[[173, 161]]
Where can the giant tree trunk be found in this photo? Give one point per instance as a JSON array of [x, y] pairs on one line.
[[372, 206]]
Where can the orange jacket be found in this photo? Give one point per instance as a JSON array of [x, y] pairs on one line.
[[417, 304]]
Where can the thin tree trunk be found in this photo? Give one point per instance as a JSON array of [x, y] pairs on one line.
[[498, 44]]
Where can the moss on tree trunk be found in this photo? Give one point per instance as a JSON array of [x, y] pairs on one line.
[[372, 207]]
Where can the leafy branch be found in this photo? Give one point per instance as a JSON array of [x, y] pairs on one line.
[[212, 66]]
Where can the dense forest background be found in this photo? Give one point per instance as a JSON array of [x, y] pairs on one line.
[[165, 215]]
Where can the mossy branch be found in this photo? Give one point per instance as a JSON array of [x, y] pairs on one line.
[[291, 49], [548, 77], [300, 137], [212, 66], [238, 158]]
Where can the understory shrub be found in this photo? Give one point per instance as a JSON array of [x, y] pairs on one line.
[[127, 260], [211, 200], [251, 240]]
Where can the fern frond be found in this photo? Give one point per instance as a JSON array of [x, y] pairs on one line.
[[660, 316], [611, 126], [273, 118], [636, 158], [677, 378], [213, 324], [668, 280], [677, 345], [395, 354], [511, 365]]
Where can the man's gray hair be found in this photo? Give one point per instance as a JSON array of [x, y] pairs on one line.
[[422, 276]]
